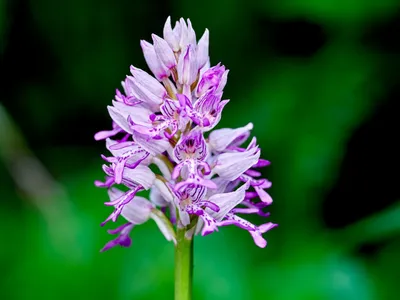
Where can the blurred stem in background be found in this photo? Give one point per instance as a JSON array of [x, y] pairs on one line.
[[376, 228], [38, 187], [183, 266]]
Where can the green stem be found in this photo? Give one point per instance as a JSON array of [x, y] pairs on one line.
[[183, 266]]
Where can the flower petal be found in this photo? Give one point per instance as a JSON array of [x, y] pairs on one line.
[[164, 190], [120, 118], [137, 211], [152, 146], [220, 139], [158, 69], [156, 198], [256, 232], [142, 93], [187, 66], [231, 165], [202, 50], [148, 82], [164, 52], [209, 223], [102, 135], [164, 225], [141, 174], [162, 165], [122, 240], [226, 202], [210, 79], [191, 34], [170, 36], [120, 112], [191, 146]]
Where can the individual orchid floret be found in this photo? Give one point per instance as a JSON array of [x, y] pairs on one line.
[[119, 113], [138, 179], [137, 211], [120, 202], [191, 146], [213, 79], [229, 140], [158, 127], [190, 154], [191, 202], [207, 110], [227, 214], [175, 110], [140, 176], [124, 115], [163, 141], [125, 154]]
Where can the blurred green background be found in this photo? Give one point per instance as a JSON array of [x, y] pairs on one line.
[[318, 78]]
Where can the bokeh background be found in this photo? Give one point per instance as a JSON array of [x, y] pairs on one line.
[[319, 80]]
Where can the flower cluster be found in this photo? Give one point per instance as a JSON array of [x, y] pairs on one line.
[[198, 180]]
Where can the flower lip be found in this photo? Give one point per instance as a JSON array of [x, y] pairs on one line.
[[191, 146]]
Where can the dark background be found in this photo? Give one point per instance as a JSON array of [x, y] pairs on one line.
[[319, 80]]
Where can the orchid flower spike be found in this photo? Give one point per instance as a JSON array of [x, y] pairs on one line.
[[206, 178]]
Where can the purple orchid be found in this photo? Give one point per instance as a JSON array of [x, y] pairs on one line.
[[201, 181]]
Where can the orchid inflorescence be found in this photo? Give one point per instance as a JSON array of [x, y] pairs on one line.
[[200, 179]]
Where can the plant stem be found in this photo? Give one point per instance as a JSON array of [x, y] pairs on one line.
[[183, 266]]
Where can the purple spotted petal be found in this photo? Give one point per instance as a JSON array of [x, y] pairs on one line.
[[256, 232], [210, 225], [122, 240], [207, 110], [191, 146], [210, 80]]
